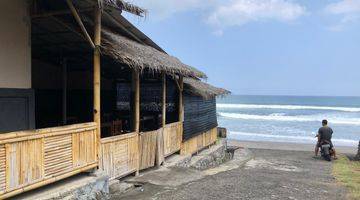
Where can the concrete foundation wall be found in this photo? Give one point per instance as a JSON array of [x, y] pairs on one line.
[[15, 49]]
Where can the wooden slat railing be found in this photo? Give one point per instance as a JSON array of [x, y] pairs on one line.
[[31, 159], [199, 142], [119, 155], [124, 154], [147, 148], [172, 135]]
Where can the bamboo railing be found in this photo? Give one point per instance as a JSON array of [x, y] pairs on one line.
[[147, 148], [119, 155], [199, 142], [172, 135], [125, 154], [31, 159]]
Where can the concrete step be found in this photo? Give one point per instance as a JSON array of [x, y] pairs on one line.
[[174, 159]]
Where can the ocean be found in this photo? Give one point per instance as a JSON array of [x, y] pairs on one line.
[[289, 118]]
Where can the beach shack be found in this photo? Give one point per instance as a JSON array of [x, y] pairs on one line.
[[82, 89]]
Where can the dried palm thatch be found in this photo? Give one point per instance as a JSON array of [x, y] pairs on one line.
[[205, 90], [128, 7], [140, 57]]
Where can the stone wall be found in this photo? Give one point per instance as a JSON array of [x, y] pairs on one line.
[[208, 158]]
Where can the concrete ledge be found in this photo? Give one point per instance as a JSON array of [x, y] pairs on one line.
[[209, 157], [82, 186], [154, 182]]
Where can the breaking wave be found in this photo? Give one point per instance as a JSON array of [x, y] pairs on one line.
[[299, 118], [287, 107]]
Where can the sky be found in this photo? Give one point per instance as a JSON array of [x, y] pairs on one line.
[[262, 47]]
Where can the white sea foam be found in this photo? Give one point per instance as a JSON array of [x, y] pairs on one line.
[[287, 107], [288, 138], [299, 118]]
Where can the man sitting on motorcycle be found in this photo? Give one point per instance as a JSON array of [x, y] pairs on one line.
[[324, 136]]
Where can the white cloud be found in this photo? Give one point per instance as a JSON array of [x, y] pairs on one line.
[[225, 13], [240, 12], [349, 10], [344, 7]]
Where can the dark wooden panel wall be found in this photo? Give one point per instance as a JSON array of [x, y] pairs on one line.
[[16, 109], [199, 115]]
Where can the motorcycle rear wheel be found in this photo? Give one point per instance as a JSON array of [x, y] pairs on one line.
[[327, 157]]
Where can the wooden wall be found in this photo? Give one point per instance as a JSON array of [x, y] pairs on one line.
[[30, 159], [119, 155], [199, 115], [199, 142]]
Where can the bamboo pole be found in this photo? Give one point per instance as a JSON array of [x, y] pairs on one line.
[[181, 100], [163, 100], [97, 71], [160, 132], [136, 87], [78, 20]]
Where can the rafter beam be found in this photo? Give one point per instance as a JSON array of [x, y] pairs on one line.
[[58, 12], [178, 84], [78, 20], [121, 26], [67, 26]]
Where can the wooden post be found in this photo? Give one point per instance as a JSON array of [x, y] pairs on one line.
[[97, 71], [163, 100], [181, 110], [160, 136], [136, 122], [136, 88], [64, 91], [181, 100]]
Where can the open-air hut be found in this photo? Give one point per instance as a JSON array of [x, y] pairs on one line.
[[82, 89]]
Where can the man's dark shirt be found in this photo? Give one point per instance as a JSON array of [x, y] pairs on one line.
[[325, 133]]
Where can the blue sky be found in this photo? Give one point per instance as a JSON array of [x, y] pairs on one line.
[[267, 47]]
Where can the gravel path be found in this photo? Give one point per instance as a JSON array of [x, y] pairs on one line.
[[272, 174]]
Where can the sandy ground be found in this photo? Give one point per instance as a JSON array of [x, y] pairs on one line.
[[287, 146], [271, 174]]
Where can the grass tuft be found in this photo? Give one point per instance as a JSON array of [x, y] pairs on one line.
[[347, 173]]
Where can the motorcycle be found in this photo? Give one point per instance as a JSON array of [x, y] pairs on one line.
[[325, 149]]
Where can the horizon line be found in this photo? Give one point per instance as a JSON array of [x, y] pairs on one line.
[[292, 95]]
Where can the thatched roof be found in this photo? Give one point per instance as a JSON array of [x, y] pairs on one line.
[[205, 90], [128, 7], [141, 57]]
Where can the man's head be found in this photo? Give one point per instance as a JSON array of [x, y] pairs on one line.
[[324, 122]]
